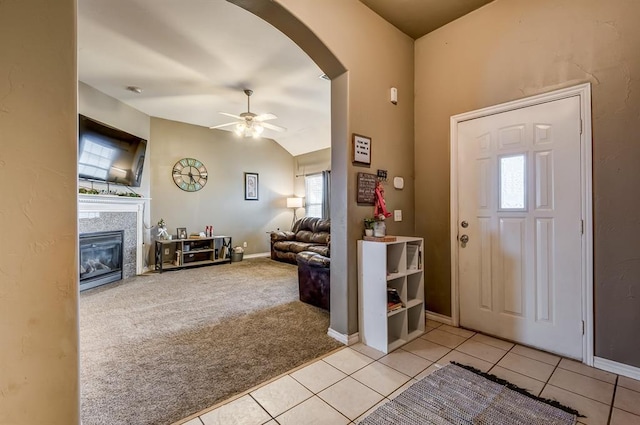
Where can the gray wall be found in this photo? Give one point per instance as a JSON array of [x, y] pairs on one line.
[[510, 49], [221, 202]]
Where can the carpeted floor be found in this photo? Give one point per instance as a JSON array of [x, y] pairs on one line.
[[159, 347]]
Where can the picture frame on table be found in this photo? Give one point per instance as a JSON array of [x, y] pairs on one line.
[[182, 232], [361, 149], [250, 186]]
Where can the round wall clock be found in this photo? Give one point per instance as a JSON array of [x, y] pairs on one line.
[[189, 174]]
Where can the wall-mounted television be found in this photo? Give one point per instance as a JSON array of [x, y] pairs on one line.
[[106, 154]]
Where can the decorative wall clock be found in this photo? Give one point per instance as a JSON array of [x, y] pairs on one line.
[[189, 174]]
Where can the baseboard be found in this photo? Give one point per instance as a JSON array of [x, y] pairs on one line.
[[259, 254], [439, 318], [615, 367], [343, 338]]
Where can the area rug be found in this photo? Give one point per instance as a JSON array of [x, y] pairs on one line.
[[458, 395], [157, 348]]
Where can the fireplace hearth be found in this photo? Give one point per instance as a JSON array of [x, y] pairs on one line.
[[100, 258]]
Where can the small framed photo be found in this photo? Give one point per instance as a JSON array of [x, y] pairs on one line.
[[251, 186], [361, 149], [182, 233]]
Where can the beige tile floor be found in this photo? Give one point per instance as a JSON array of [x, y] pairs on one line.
[[345, 386]]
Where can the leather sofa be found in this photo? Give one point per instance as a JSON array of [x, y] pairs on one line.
[[313, 279], [308, 234]]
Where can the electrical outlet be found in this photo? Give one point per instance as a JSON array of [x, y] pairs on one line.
[[397, 215], [244, 244], [166, 251]]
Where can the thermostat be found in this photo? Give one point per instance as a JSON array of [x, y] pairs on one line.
[[398, 182]]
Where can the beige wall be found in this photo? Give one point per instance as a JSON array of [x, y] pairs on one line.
[[514, 48], [221, 202], [38, 265], [377, 57]]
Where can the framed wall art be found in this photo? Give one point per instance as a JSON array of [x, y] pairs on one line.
[[251, 186], [361, 149]]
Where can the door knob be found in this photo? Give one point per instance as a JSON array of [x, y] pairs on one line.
[[464, 238], [464, 224]]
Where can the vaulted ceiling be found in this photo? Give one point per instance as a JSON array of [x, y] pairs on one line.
[[193, 58]]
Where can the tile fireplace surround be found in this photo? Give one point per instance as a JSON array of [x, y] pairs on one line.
[[98, 213]]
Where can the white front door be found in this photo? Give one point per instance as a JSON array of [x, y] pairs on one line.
[[519, 205]]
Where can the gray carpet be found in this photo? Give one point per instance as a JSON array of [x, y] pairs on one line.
[[157, 348], [454, 395]]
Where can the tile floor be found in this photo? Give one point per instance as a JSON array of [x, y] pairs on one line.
[[344, 387]]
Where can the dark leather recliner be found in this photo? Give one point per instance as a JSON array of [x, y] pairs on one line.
[[313, 278]]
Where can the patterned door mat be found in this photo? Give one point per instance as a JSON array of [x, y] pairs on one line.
[[458, 394]]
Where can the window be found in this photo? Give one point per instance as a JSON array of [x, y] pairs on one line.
[[512, 183], [314, 195]]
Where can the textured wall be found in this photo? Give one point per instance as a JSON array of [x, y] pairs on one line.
[[38, 261], [514, 48], [377, 57]]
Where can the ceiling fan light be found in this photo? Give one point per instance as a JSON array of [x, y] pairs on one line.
[[240, 129]]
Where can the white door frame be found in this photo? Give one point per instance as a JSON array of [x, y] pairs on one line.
[[586, 184]]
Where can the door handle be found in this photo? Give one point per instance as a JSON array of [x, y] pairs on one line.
[[464, 238]]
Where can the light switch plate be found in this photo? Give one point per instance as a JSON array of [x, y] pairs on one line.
[[397, 215]]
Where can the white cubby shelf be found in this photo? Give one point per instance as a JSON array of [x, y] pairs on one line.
[[397, 264]]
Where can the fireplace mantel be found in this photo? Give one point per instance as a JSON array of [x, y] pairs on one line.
[[110, 199], [114, 203]]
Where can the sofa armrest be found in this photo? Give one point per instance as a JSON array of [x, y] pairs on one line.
[[282, 236]]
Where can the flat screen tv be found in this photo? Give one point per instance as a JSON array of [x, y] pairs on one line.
[[107, 154]]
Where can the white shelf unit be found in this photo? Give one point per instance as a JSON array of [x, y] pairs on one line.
[[398, 265]]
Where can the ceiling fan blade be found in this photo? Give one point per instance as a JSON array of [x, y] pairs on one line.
[[222, 125], [231, 115], [273, 126], [265, 117]]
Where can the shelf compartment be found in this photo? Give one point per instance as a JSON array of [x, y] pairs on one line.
[[396, 263], [415, 318], [415, 286], [414, 256], [397, 329], [194, 257]]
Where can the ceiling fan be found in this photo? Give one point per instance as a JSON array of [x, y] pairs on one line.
[[249, 124]]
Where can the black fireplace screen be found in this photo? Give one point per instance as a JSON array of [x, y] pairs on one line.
[[100, 258]]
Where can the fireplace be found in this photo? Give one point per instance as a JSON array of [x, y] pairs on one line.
[[100, 258]]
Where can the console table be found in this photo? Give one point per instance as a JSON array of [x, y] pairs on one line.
[[183, 253]]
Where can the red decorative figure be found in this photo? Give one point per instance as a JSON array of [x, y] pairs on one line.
[[380, 208]]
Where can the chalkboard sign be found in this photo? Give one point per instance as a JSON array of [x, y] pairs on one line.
[[366, 188]]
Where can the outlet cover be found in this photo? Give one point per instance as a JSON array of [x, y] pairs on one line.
[[166, 251], [397, 215]]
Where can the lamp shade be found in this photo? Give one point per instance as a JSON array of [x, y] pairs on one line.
[[294, 202]]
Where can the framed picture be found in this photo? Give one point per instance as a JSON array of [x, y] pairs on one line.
[[251, 186], [182, 233], [361, 149]]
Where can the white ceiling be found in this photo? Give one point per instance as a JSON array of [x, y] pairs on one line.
[[193, 58]]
